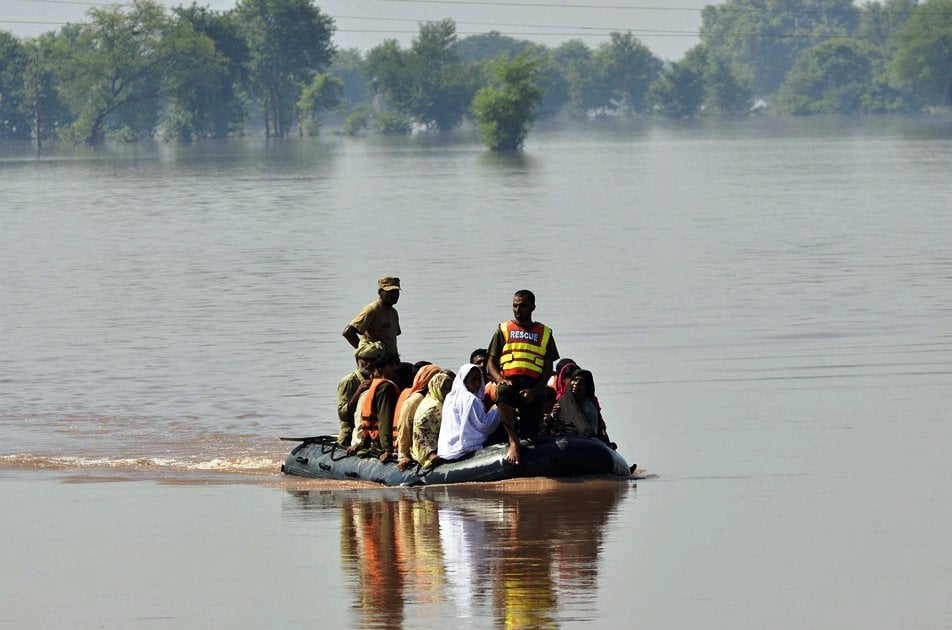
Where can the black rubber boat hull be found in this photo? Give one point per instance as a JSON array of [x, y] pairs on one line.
[[560, 456]]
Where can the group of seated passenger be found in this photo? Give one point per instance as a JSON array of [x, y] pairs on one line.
[[422, 414]]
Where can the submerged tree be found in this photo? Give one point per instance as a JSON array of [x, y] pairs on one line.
[[574, 59], [441, 92], [429, 82], [214, 105], [829, 78], [506, 109], [553, 80], [615, 77], [289, 42], [323, 93], [48, 112], [766, 36], [390, 74], [924, 56], [114, 71], [14, 117], [679, 91], [348, 65], [629, 68]]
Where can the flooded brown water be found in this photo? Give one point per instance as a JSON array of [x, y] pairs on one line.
[[765, 306]]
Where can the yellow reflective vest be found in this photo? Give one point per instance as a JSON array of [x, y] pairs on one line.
[[524, 351]]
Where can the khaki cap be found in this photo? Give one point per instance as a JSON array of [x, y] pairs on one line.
[[369, 350], [388, 283]]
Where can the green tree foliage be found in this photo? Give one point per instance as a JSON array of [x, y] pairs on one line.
[[48, 112], [213, 106], [114, 71], [14, 60], [679, 91], [359, 119], [832, 77], [488, 46], [348, 66], [506, 109], [132, 69], [29, 104], [702, 82], [323, 93], [727, 90], [553, 80], [878, 25], [587, 90], [392, 123], [289, 42], [615, 77], [924, 56], [880, 21], [430, 82], [629, 68], [443, 83], [571, 51], [390, 73], [765, 37]]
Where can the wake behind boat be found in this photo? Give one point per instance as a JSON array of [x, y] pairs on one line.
[[556, 456]]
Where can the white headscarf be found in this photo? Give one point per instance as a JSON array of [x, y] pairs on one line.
[[466, 423]]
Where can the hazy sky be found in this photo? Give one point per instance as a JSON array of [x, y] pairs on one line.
[[668, 27]]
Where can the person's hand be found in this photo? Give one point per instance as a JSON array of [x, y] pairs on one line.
[[555, 409], [364, 386], [403, 463], [352, 449], [384, 457]]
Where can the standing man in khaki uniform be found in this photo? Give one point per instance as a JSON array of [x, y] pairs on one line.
[[379, 320]]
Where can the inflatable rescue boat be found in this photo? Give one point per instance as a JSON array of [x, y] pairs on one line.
[[557, 456]]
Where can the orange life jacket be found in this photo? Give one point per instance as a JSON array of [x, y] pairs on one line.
[[523, 353], [369, 426], [491, 389]]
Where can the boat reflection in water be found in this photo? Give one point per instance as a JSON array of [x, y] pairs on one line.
[[522, 553]]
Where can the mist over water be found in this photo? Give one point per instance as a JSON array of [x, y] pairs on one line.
[[765, 306]]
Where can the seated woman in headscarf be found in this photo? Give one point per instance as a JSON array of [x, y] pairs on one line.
[[556, 384], [428, 417], [559, 383], [577, 410], [466, 424], [410, 398]]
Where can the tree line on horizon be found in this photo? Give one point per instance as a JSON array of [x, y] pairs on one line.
[[190, 72]]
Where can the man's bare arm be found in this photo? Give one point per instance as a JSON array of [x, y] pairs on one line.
[[492, 366], [351, 335]]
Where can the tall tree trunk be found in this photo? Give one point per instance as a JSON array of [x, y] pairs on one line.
[[37, 96], [278, 117], [92, 138], [267, 119], [38, 123]]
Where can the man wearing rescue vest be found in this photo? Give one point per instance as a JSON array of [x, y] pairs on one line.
[[521, 355], [374, 417]]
